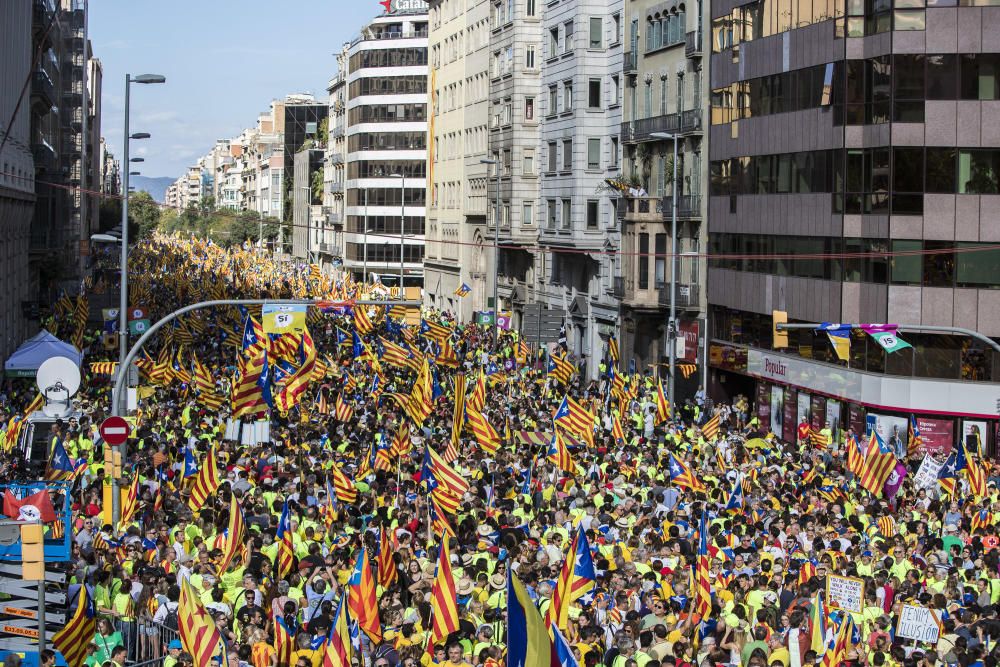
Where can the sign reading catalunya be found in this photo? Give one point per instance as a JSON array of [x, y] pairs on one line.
[[392, 6]]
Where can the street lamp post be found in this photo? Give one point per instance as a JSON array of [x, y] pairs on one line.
[[364, 270], [123, 264], [496, 253], [672, 322]]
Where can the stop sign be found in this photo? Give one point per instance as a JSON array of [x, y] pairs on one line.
[[115, 431]]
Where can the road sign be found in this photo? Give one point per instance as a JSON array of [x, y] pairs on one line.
[[138, 314], [115, 431]]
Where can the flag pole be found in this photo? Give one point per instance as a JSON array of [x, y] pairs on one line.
[[398, 478]]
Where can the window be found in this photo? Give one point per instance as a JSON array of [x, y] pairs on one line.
[[568, 41], [978, 172], [648, 106], [529, 8], [505, 112], [528, 162], [551, 214], [553, 42], [643, 261], [495, 69], [593, 212], [596, 32], [594, 94], [567, 220], [660, 265], [527, 213], [663, 95], [529, 57], [506, 162], [616, 29], [615, 90], [567, 96], [593, 153], [567, 154], [529, 108], [552, 156], [553, 100], [614, 152]]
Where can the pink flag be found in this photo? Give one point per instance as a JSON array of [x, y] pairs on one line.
[[895, 481]]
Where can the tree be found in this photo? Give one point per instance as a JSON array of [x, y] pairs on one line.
[[143, 214]]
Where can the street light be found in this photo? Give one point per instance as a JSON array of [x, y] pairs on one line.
[[104, 238], [138, 159], [672, 322], [135, 173], [116, 507], [496, 253], [402, 222]]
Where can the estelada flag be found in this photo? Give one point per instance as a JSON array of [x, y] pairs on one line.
[[36, 507]]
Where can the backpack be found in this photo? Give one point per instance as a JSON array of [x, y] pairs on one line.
[[170, 621]]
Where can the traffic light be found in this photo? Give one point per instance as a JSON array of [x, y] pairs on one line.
[[780, 338]]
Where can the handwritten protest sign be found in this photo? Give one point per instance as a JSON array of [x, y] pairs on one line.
[[847, 593], [919, 623]]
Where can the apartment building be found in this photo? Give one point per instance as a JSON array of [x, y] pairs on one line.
[[515, 91], [111, 183], [665, 109], [385, 163], [867, 140], [458, 44], [580, 148], [331, 246]]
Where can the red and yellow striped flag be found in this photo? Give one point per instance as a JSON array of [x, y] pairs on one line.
[[199, 634], [207, 482], [458, 415], [73, 639], [234, 536], [486, 435], [343, 487], [444, 600]]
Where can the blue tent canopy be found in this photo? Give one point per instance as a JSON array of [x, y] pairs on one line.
[[34, 351]]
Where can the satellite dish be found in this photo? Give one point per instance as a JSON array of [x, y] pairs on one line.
[[58, 380]]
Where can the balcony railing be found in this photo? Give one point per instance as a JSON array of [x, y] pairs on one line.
[[375, 36], [692, 43], [688, 206], [649, 207], [336, 158], [336, 188], [44, 154], [335, 219], [635, 131], [338, 130], [686, 296]]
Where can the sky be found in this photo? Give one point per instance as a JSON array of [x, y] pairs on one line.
[[224, 60]]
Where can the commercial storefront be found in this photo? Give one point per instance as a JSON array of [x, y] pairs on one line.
[[787, 389]]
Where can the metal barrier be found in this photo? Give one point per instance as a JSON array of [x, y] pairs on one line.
[[150, 642]]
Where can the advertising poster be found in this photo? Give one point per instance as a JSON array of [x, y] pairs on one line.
[[937, 436], [892, 430], [764, 404], [856, 419], [689, 334], [791, 405], [974, 435], [777, 405], [833, 416], [817, 406], [804, 403]]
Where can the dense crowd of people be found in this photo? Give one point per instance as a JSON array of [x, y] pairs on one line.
[[647, 494]]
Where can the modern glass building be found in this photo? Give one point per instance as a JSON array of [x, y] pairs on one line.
[[857, 146]]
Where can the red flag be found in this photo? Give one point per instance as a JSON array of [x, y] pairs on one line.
[[36, 507]]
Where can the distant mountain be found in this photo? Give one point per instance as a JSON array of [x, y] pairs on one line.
[[157, 187]]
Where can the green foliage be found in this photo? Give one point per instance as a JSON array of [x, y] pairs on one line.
[[317, 186], [222, 226], [143, 214]]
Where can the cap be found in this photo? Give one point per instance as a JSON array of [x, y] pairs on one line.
[[174, 644]]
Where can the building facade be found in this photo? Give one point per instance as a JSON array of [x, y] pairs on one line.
[[331, 247], [579, 149], [458, 44], [665, 102], [515, 91], [385, 163], [17, 177], [870, 139]]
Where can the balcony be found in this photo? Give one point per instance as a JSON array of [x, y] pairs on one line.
[[686, 296], [378, 36], [637, 131], [338, 130], [688, 207], [630, 63], [335, 219], [336, 157], [43, 93], [643, 209], [692, 44], [336, 188], [41, 14], [329, 249], [75, 118], [73, 94]]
